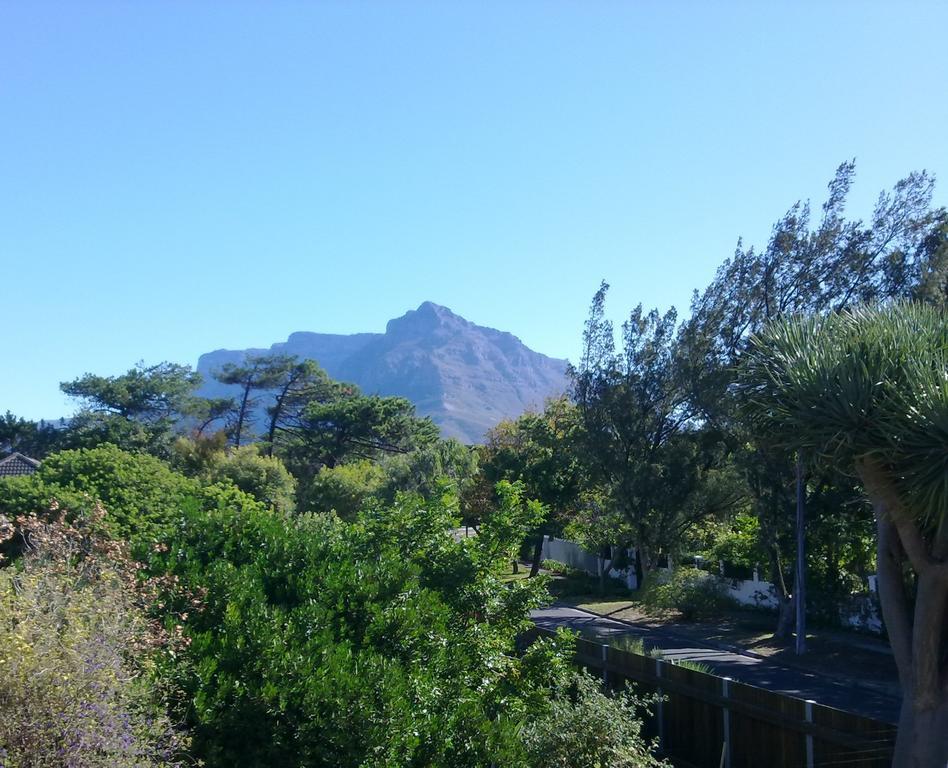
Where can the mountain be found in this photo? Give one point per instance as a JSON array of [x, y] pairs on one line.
[[466, 377]]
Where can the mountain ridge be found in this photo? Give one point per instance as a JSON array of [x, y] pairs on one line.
[[465, 376]]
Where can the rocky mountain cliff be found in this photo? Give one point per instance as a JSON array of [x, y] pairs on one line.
[[464, 376]]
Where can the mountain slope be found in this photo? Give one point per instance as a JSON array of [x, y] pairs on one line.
[[464, 376]]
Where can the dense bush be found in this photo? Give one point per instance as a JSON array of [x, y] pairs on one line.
[[75, 684], [344, 489], [280, 640], [382, 642], [263, 477], [142, 497], [694, 593], [586, 727], [140, 493]]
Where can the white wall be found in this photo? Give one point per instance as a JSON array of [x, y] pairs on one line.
[[860, 613], [760, 594], [571, 554]]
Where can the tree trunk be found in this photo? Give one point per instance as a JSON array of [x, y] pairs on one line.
[[241, 414], [786, 617], [919, 641], [922, 741], [786, 608], [639, 569], [271, 432], [605, 565], [537, 554]]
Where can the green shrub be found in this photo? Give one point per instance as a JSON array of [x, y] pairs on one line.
[[209, 461], [344, 489], [562, 569], [694, 593], [695, 666], [141, 494], [374, 643], [586, 727]]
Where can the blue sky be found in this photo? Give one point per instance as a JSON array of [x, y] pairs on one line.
[[177, 177]]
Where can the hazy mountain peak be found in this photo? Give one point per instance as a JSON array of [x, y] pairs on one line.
[[466, 377], [428, 316]]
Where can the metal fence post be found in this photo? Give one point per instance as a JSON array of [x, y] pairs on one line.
[[605, 664], [725, 688], [808, 716], [660, 711]]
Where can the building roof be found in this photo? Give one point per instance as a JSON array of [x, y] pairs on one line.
[[17, 464]]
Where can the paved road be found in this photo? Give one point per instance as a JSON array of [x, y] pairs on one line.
[[745, 668]]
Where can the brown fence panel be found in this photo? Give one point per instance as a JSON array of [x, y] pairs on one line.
[[589, 655], [693, 726], [870, 742], [700, 714], [635, 671], [760, 734]]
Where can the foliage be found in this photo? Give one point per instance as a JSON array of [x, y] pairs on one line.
[[867, 390], [736, 542], [695, 594], [75, 687], [424, 470], [296, 384], [354, 426], [694, 666], [380, 642], [538, 450], [263, 477], [148, 393], [586, 727], [864, 383], [142, 496], [141, 493], [136, 410], [813, 262], [642, 443], [252, 374], [555, 566], [31, 438], [345, 489]]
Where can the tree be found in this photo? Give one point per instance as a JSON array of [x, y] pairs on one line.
[[142, 496], [207, 411], [345, 489], [145, 393], [585, 726], [31, 438], [426, 468], [301, 383], [641, 439], [807, 266], [136, 410], [77, 650], [253, 374], [354, 426], [263, 477], [381, 642], [867, 390], [539, 451]]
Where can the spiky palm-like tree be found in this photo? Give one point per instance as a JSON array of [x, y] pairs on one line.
[[867, 389]]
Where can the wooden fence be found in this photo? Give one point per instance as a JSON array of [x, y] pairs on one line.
[[708, 721]]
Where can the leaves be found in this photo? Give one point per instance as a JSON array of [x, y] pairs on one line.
[[865, 382]]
